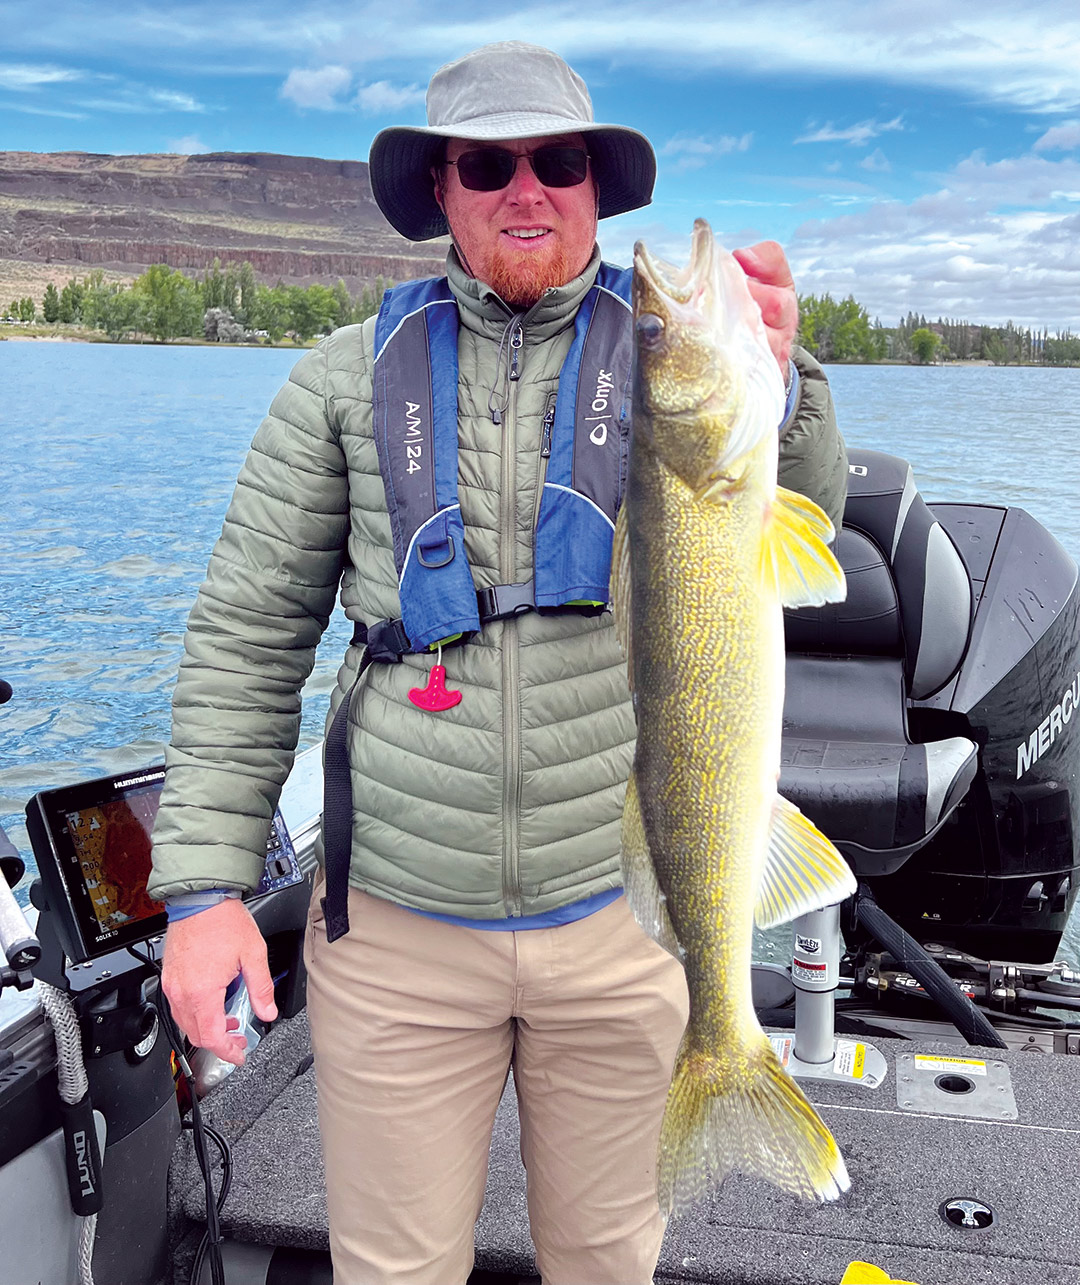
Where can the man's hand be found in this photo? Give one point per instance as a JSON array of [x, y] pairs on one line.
[[773, 290], [203, 953]]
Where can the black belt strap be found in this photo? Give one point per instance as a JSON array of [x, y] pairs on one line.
[[337, 815]]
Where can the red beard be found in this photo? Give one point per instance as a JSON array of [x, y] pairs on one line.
[[520, 278]]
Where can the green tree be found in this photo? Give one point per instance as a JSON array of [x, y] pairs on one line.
[[245, 309], [1063, 350], [50, 305], [171, 301], [925, 344], [13, 309], [121, 311], [343, 305], [27, 309], [311, 311], [271, 311], [71, 301], [838, 331]]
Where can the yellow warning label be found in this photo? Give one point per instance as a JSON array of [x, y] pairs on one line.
[[850, 1059], [968, 1064]]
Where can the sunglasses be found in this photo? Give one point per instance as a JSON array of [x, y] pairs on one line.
[[489, 169]]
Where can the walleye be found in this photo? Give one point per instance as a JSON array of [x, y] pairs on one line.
[[707, 551]]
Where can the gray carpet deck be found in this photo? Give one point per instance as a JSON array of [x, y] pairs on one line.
[[903, 1165]]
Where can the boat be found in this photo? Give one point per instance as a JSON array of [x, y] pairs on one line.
[[928, 730]]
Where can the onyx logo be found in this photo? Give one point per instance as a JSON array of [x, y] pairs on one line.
[[972, 1215], [601, 407]]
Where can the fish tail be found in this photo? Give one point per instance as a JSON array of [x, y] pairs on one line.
[[746, 1116]]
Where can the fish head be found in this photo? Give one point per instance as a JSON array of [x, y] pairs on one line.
[[707, 387]]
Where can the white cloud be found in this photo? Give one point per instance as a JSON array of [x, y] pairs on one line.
[[985, 247], [135, 99], [170, 100], [877, 162], [996, 52], [1060, 138], [25, 76], [44, 111], [693, 152], [855, 135], [382, 97], [189, 145], [318, 88]]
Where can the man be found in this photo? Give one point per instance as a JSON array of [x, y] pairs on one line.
[[483, 926]]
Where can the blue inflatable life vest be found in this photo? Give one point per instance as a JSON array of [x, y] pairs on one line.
[[414, 403]]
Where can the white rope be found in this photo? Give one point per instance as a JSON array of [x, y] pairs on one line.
[[73, 1085]]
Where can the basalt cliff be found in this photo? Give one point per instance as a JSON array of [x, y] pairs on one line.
[[298, 219]]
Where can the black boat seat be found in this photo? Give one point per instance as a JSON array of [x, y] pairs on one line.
[[847, 758]]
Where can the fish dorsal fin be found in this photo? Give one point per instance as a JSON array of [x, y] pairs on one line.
[[803, 871], [795, 559], [620, 588], [643, 892]]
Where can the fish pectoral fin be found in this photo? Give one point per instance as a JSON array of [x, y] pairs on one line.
[[796, 561], [803, 871], [643, 892], [620, 589]]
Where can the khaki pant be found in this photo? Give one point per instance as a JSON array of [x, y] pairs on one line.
[[414, 1025]]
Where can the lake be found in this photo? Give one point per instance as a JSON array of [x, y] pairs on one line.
[[118, 462]]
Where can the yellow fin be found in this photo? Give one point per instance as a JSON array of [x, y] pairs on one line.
[[859, 1273], [755, 1122], [639, 877], [795, 560], [803, 871], [620, 588]]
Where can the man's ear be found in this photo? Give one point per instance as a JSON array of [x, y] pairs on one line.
[[436, 178]]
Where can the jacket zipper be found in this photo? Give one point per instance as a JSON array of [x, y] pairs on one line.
[[510, 667], [545, 455]]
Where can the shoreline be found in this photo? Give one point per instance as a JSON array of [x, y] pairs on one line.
[[190, 341]]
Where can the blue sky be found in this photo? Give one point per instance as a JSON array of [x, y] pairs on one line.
[[918, 155]]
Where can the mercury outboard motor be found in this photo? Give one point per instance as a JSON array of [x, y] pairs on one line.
[[928, 720]]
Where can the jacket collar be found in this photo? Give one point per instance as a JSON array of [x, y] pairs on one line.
[[483, 311]]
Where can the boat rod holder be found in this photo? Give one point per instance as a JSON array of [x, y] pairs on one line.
[[816, 1053]]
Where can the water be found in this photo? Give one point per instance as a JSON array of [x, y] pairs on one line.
[[118, 462]]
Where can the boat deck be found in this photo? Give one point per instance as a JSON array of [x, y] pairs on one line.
[[904, 1164]]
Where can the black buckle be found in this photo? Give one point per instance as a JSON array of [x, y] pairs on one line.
[[500, 601], [387, 641]]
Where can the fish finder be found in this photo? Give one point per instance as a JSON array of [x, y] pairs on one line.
[[92, 846]]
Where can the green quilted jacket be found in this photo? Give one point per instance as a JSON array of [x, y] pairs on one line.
[[510, 802]]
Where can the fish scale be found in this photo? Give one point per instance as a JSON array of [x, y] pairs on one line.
[[707, 550]]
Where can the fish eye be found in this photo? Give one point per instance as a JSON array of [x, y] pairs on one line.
[[650, 329]]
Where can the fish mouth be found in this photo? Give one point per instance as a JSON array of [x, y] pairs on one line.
[[688, 285]]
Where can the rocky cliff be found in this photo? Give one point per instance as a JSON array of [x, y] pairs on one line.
[[299, 219]]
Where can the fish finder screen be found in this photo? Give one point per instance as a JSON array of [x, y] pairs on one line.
[[111, 843]]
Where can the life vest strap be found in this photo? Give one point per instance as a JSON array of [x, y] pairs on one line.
[[387, 641]]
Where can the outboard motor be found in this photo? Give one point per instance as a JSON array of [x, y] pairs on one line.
[[928, 718]]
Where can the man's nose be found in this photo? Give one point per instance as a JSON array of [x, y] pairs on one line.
[[524, 188]]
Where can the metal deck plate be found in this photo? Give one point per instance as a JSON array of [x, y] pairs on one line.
[[976, 1088]]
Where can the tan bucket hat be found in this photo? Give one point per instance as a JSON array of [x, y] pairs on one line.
[[503, 91]]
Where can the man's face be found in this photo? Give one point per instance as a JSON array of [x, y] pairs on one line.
[[496, 232]]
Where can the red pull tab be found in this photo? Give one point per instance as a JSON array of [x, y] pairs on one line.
[[435, 696]]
